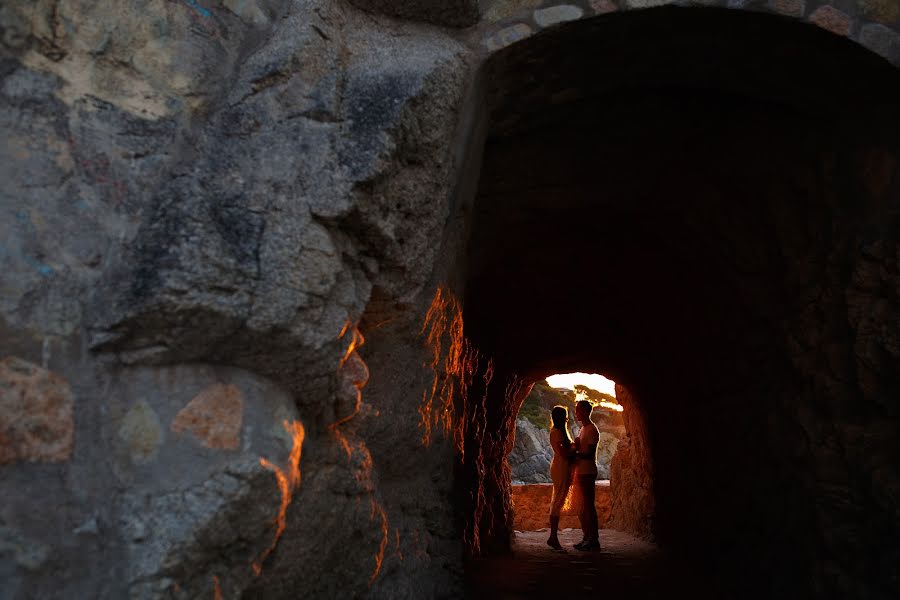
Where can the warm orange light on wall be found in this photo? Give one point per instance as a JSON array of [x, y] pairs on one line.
[[356, 341], [288, 479], [451, 365], [378, 511]]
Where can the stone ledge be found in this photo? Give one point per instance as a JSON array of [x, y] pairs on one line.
[[531, 506]]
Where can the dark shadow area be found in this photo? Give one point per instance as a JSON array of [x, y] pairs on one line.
[[719, 192]]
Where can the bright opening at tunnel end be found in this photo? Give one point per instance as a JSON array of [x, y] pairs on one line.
[[594, 381], [591, 380]]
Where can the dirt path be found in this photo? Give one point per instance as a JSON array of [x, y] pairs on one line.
[[626, 567]]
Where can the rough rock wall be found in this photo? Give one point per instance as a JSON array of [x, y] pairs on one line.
[[453, 13], [631, 473], [199, 207]]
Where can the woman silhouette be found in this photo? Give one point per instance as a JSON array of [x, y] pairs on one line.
[[564, 501]]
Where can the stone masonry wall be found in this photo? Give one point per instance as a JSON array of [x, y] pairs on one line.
[[875, 24]]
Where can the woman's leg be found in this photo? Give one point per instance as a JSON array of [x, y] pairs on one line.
[[554, 526]]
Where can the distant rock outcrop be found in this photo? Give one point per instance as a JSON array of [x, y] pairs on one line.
[[530, 458]]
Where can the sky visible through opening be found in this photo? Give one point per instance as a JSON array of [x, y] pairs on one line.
[[591, 380]]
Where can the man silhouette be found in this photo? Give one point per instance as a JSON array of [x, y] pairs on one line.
[[586, 475]]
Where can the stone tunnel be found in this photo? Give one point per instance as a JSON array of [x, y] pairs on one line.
[[277, 277]]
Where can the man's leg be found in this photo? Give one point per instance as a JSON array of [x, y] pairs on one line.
[[590, 524], [584, 517]]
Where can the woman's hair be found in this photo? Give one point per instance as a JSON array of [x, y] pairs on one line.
[[558, 416]]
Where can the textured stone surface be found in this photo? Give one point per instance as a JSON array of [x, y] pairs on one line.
[[632, 503], [833, 20], [881, 40], [453, 13], [191, 185], [531, 506], [791, 8], [214, 417], [36, 413], [26, 553], [882, 11], [504, 9], [507, 36], [195, 193], [603, 6], [531, 456], [556, 14], [646, 3], [140, 432]]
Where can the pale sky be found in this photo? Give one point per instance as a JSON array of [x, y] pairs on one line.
[[591, 380]]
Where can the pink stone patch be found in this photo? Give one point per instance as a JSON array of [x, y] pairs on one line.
[[36, 413], [830, 18], [601, 7], [214, 417]]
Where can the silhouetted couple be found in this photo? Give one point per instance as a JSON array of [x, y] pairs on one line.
[[574, 473]]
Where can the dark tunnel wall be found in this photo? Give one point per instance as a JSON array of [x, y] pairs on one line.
[[703, 206]]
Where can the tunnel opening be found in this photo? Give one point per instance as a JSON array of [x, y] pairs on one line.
[[719, 191], [532, 458]]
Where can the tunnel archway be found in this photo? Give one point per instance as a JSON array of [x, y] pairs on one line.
[[703, 205]]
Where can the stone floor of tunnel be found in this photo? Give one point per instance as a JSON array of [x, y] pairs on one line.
[[625, 567]]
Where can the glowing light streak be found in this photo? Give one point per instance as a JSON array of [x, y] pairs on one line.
[[449, 365], [342, 439], [377, 510], [288, 480], [344, 329], [399, 551], [356, 341]]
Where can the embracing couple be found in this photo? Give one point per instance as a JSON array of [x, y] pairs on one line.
[[574, 473]]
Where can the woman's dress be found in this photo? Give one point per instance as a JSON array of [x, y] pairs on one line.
[[565, 494]]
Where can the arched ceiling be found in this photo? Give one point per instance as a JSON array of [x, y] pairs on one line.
[[635, 170]]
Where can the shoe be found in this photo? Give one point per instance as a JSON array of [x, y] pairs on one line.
[[555, 545], [588, 546], [580, 544]]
